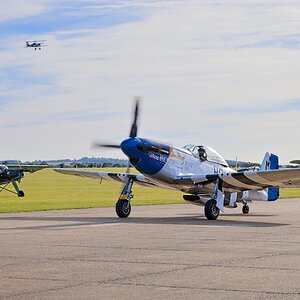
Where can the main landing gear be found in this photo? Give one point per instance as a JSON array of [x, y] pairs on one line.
[[18, 192], [21, 194], [245, 209], [123, 207], [216, 203], [211, 210], [212, 207]]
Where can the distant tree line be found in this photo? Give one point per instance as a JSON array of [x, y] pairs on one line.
[[102, 162], [241, 164], [84, 162]]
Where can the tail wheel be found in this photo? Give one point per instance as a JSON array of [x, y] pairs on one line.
[[211, 210], [245, 209], [123, 208]]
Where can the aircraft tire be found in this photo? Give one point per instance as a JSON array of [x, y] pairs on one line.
[[123, 208], [21, 194], [211, 210], [245, 209]]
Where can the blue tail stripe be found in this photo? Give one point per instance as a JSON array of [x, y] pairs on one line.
[[274, 162]]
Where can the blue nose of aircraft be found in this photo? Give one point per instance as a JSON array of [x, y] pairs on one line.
[[129, 147], [146, 156]]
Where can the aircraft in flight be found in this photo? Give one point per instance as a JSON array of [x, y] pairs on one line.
[[13, 173], [196, 170], [35, 44]]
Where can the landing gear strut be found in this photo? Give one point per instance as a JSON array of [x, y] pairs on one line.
[[18, 192], [212, 207], [123, 207]]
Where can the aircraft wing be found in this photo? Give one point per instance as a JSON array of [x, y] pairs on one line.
[[249, 180], [297, 161], [232, 182], [112, 176], [27, 168]]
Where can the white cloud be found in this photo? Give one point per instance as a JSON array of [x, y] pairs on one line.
[[16, 9], [184, 58]]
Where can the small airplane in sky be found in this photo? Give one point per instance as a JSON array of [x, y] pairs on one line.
[[35, 44], [13, 173], [196, 170]]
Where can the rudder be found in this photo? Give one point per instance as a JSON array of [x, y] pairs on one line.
[[271, 162]]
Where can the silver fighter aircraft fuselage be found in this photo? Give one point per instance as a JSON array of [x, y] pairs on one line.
[[196, 170]]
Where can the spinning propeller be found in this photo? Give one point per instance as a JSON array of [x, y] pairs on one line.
[[130, 145], [133, 130], [132, 134]]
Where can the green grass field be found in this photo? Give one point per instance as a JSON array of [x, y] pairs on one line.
[[48, 190]]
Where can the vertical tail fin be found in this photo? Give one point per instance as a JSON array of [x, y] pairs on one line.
[[270, 162]]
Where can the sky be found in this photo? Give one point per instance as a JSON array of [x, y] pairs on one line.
[[223, 73]]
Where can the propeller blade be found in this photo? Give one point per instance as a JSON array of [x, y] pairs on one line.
[[133, 130], [132, 134], [102, 145]]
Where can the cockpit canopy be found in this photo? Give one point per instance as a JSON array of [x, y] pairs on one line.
[[205, 153]]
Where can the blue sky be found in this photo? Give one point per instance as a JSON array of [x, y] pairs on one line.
[[69, 16], [219, 73]]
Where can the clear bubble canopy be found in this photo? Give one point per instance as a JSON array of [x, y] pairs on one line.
[[207, 152]]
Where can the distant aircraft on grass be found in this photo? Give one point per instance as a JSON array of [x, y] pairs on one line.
[[13, 173], [198, 171]]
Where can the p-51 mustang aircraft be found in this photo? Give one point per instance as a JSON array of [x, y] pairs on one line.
[[198, 171], [35, 44], [13, 173]]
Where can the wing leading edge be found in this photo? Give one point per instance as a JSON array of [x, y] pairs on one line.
[[231, 182], [27, 168], [112, 176]]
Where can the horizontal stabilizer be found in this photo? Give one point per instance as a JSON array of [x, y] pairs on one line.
[[273, 194]]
